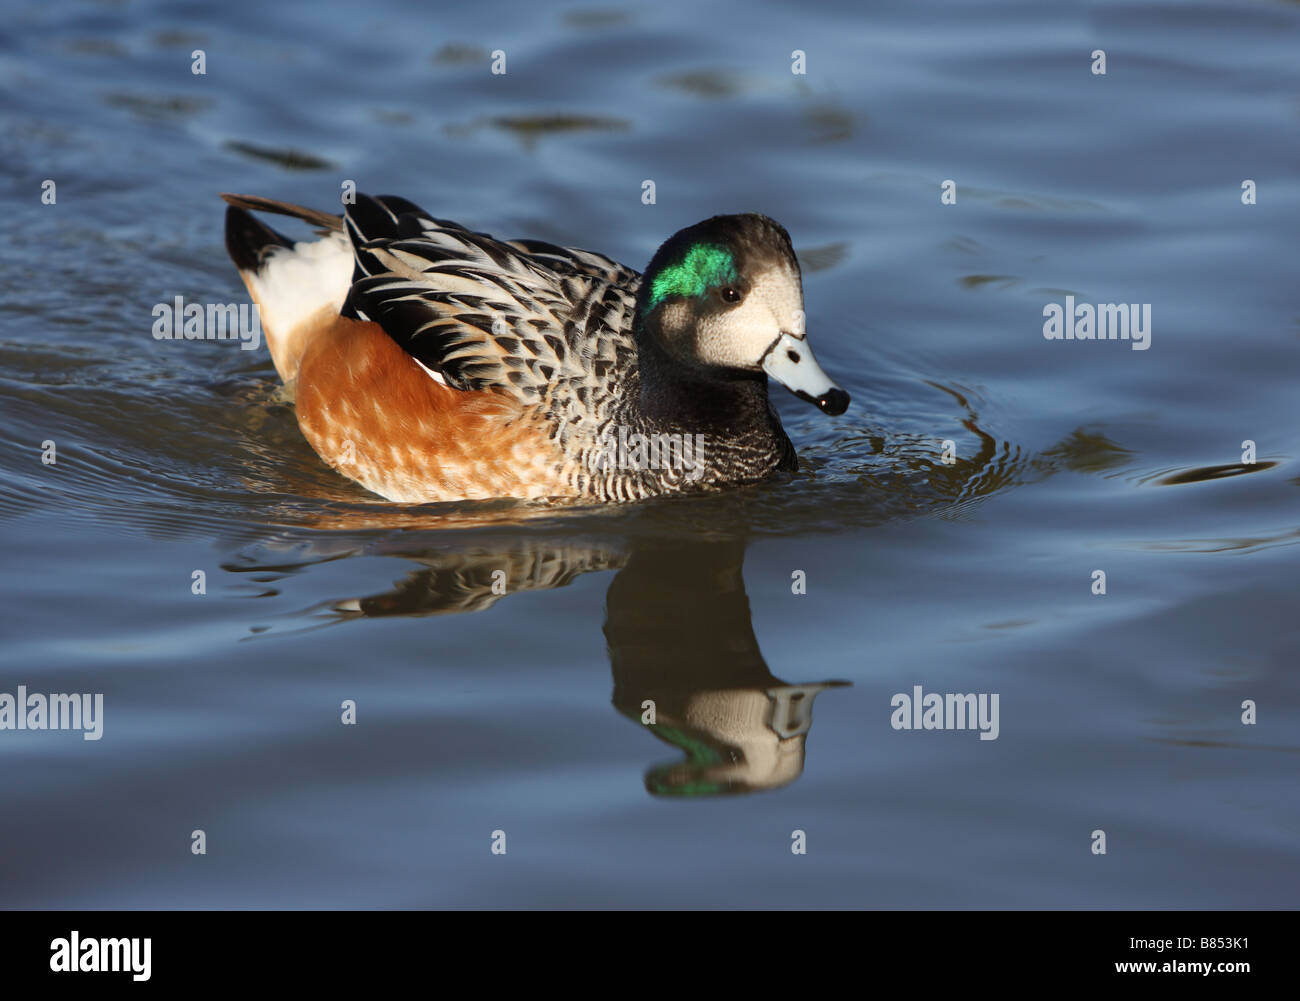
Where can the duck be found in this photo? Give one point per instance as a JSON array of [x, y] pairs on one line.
[[430, 363]]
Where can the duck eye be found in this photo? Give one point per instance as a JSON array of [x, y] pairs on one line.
[[730, 294]]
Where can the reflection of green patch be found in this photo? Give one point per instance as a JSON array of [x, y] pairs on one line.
[[699, 752], [704, 267], [700, 755], [693, 789]]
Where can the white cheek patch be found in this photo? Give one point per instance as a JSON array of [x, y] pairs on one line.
[[740, 337]]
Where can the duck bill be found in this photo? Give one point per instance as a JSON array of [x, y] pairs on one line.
[[790, 362]]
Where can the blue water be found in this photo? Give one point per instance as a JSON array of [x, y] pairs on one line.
[[521, 713]]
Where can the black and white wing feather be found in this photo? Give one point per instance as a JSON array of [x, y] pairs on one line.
[[548, 325]]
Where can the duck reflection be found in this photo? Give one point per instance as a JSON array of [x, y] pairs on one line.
[[685, 661], [687, 666]]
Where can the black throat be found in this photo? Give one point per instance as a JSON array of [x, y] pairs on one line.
[[699, 400], [746, 440]]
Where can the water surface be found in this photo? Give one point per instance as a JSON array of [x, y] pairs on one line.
[[522, 712]]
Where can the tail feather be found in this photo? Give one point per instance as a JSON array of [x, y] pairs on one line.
[[247, 238], [300, 287]]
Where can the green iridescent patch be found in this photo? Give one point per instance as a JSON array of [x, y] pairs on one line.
[[704, 267]]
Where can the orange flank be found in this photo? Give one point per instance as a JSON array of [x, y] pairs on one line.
[[371, 412]]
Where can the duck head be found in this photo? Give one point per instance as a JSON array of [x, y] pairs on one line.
[[725, 297]]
